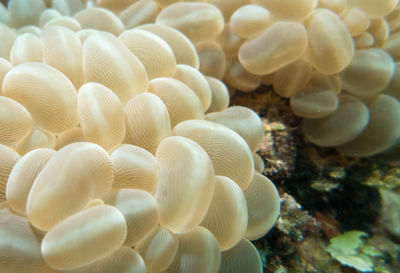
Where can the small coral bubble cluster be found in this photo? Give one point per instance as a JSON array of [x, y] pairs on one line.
[[118, 151]]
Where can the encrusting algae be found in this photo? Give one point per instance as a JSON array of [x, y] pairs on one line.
[[126, 144]]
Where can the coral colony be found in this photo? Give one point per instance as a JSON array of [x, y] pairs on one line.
[[118, 151]]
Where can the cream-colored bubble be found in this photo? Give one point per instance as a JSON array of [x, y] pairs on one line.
[[226, 217], [73, 135], [37, 138], [243, 257], [346, 123], [101, 115], [64, 21], [212, 59], [87, 245], [65, 56], [182, 103], [374, 9], [237, 163], [243, 121], [263, 206], [7, 39], [219, 95], [77, 173], [383, 129], [108, 61], [26, 48], [4, 15], [22, 176], [25, 12], [15, 121], [5, 66], [229, 41], [290, 10], [239, 78], [46, 93], [158, 249], [336, 6], [393, 88], [139, 209], [30, 29], [67, 7], [134, 168], [184, 50], [147, 121], [379, 28], [356, 21], [100, 19], [314, 102], [198, 21], [198, 252], [393, 19], [187, 175], [154, 53], [196, 81], [330, 47], [8, 158], [259, 165], [279, 45], [364, 41], [227, 8], [368, 73], [392, 46], [327, 82], [249, 21], [292, 78], [139, 12], [47, 15]]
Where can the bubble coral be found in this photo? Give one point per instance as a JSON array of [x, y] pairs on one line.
[[119, 152]]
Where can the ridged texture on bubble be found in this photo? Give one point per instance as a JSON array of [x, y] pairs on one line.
[[46, 93], [158, 249], [108, 61], [5, 66], [19, 245], [26, 48], [70, 136], [198, 252], [7, 39], [258, 163], [392, 46], [155, 54], [25, 12], [263, 206], [219, 95], [186, 174], [292, 78], [196, 81], [226, 217], [379, 28], [368, 73], [243, 121], [181, 101], [184, 50], [336, 6], [288, 10], [147, 121], [122, 260], [84, 237], [47, 15], [346, 123], [375, 9], [62, 49], [139, 209], [239, 78], [37, 138], [314, 102], [330, 48], [243, 257], [198, 21], [8, 158], [15, 121], [101, 115], [64, 21], [139, 12], [71, 178], [22, 176], [100, 19], [134, 168], [229, 41], [356, 21], [212, 59], [279, 45], [383, 129], [228, 151], [249, 21]]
